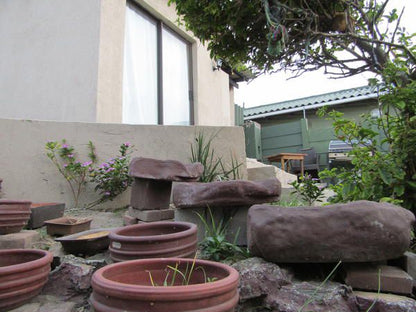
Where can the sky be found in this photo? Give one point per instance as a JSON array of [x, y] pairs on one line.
[[267, 89]]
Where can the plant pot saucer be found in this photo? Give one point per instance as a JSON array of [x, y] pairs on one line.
[[67, 226], [87, 242]]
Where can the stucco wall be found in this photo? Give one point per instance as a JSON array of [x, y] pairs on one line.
[[63, 61], [49, 59], [28, 174]]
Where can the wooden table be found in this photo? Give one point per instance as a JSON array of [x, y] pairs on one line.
[[285, 158]]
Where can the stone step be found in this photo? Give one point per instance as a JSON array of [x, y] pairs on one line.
[[366, 277]]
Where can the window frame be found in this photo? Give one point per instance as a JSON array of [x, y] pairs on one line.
[[160, 26]]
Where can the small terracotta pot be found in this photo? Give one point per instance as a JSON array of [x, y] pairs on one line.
[[14, 215], [153, 240], [127, 286], [23, 272]]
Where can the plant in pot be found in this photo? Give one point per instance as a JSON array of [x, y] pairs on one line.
[[165, 284]]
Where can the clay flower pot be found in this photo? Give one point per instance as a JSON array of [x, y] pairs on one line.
[[153, 240], [14, 215], [127, 286], [23, 272], [67, 226]]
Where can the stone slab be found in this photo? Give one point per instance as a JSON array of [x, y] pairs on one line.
[[149, 194], [42, 212], [234, 193], [152, 215], [408, 263], [384, 302], [366, 277], [360, 231], [24, 239], [166, 170]]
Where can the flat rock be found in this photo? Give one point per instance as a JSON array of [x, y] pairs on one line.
[[384, 302], [225, 193], [23, 239], [361, 231], [390, 279], [166, 170]]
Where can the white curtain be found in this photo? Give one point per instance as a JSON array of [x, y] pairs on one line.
[[140, 69], [176, 103]]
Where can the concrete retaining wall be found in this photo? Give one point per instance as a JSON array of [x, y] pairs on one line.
[[28, 174]]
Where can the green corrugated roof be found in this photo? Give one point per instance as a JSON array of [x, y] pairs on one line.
[[326, 98]]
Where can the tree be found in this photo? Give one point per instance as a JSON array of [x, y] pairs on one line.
[[345, 37], [300, 35]]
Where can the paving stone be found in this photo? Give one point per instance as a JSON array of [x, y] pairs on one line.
[[129, 220], [149, 194], [67, 306], [152, 215], [23, 239], [366, 277], [29, 307], [384, 302], [42, 212]]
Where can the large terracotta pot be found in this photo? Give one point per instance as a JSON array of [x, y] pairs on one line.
[[23, 272], [162, 239], [14, 215], [127, 286]]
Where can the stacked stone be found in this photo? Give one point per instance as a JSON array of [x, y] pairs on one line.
[[152, 186]]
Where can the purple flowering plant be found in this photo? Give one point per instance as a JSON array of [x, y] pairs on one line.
[[75, 172], [111, 177], [308, 189]]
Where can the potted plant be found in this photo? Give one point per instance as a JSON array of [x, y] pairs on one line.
[[157, 285]]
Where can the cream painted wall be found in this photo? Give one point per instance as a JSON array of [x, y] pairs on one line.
[[63, 61], [28, 174], [48, 59]]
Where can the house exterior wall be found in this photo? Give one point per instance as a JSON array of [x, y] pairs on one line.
[[28, 174], [49, 59], [63, 61], [290, 132]]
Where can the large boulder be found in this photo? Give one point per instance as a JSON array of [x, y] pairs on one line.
[[360, 231], [225, 193], [166, 170]]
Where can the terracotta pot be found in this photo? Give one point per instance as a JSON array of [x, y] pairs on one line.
[[14, 215], [126, 286], [23, 272], [67, 226], [153, 240]]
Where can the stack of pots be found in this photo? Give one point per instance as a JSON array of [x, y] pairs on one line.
[[157, 247], [14, 215]]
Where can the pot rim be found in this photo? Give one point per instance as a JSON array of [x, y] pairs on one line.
[[14, 202], [173, 293], [46, 258], [191, 229]]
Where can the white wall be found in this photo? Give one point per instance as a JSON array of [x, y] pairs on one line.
[[49, 59], [28, 174]]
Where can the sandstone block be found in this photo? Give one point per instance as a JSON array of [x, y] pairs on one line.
[[225, 193], [129, 220], [23, 239], [392, 279], [167, 170], [152, 215], [149, 194], [384, 302], [360, 231]]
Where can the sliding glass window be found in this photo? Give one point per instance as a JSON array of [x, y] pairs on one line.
[[157, 81]]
